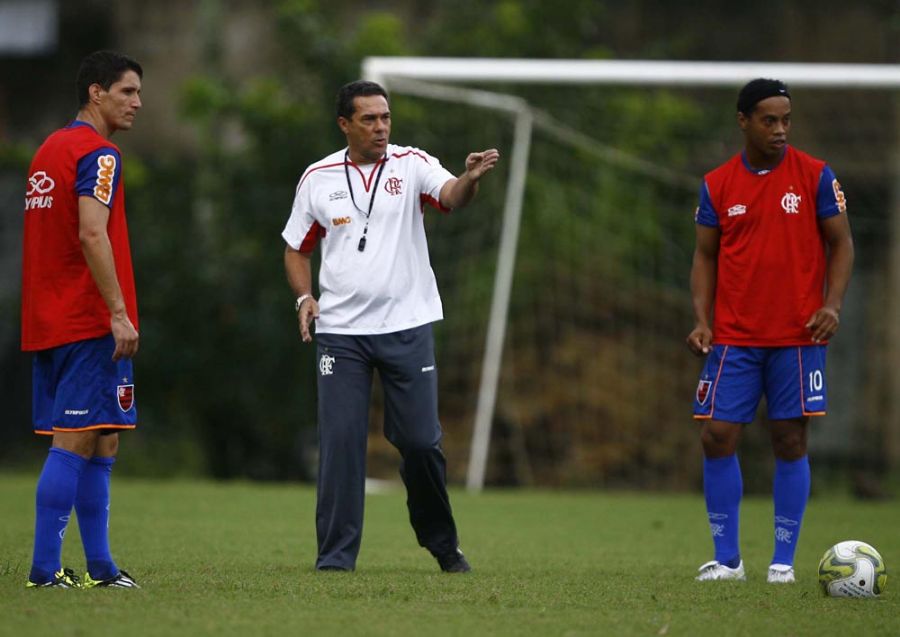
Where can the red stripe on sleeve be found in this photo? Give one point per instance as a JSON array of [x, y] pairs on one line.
[[311, 240], [434, 203]]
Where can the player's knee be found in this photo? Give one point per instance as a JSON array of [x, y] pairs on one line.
[[789, 440], [719, 439], [108, 445], [789, 447]]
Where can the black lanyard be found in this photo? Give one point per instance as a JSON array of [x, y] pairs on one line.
[[362, 239]]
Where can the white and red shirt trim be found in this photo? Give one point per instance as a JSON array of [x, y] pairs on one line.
[[390, 285]]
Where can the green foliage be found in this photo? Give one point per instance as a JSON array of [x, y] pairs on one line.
[[228, 374], [15, 157], [236, 559]]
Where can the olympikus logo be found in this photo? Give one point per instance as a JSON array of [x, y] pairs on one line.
[[737, 209], [105, 174], [39, 184], [32, 203], [340, 221]]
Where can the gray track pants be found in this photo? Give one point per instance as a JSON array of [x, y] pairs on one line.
[[406, 367]]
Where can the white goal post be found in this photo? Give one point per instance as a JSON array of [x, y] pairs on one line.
[[439, 78]]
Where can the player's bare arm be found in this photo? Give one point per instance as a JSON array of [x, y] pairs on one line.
[[92, 219], [456, 193], [703, 288], [299, 276], [823, 324]]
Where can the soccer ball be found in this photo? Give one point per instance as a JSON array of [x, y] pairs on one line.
[[852, 569]]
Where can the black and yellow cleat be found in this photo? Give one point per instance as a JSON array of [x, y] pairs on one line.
[[63, 578], [121, 580]]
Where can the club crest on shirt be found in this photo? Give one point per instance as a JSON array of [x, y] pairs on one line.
[[125, 394], [703, 391], [394, 186], [791, 203], [106, 170]]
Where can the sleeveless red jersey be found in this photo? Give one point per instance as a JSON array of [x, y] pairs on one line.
[[771, 262], [60, 301]]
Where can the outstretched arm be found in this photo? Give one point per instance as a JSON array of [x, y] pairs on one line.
[[456, 193], [299, 276], [703, 287], [92, 219], [823, 324]]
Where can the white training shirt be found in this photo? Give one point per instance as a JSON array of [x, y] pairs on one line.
[[390, 285]]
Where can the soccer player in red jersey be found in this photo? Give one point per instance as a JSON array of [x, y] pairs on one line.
[[79, 318], [772, 261]]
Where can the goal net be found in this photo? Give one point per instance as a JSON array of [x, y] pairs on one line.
[[565, 283]]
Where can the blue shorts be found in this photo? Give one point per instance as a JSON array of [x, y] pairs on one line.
[[77, 387], [735, 378]]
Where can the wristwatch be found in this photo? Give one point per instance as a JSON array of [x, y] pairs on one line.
[[300, 300]]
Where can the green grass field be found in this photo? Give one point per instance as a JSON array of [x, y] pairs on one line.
[[236, 559]]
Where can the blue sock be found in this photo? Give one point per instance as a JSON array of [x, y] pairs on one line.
[[790, 492], [723, 487], [92, 509], [56, 489]]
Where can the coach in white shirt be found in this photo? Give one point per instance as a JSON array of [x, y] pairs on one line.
[[378, 297]]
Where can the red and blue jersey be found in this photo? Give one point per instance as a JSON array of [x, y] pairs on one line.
[[60, 301], [771, 263]]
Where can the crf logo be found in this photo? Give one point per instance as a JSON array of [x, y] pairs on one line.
[[393, 186], [703, 391], [326, 365], [105, 172], [39, 184], [791, 203], [340, 221], [125, 394]]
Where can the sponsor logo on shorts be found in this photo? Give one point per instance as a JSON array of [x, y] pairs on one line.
[[815, 399], [125, 394], [106, 170], [326, 365], [430, 368], [77, 412], [737, 209], [703, 391]]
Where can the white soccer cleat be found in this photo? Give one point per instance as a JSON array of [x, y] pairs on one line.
[[781, 574], [712, 571]]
